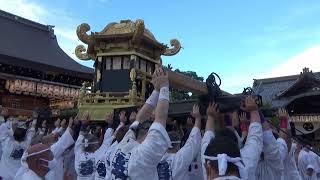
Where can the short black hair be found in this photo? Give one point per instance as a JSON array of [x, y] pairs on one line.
[[143, 128], [223, 145], [174, 136], [19, 134], [91, 138], [226, 132]]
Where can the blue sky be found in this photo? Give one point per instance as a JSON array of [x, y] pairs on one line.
[[239, 40]]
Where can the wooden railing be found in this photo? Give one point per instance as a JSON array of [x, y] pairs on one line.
[[112, 98]]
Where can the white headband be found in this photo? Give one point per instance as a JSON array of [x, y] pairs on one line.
[[26, 155], [86, 142], [223, 160], [174, 142]]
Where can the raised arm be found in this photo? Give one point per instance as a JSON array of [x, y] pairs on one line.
[[32, 130], [5, 130], [271, 149], [57, 126], [107, 139], [252, 149], [162, 108], [146, 110], [213, 114], [64, 142], [191, 149], [285, 132], [84, 124], [156, 143]]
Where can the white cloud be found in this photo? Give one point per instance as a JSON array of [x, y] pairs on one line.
[[309, 58], [24, 8], [69, 34]]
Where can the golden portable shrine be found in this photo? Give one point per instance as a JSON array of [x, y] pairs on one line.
[[125, 55]]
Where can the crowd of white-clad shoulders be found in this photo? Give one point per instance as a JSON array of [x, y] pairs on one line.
[[146, 146]]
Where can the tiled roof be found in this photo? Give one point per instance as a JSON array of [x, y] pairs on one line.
[[269, 88], [24, 42]]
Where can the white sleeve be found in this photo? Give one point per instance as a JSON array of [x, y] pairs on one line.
[[272, 152], [78, 144], [56, 130], [283, 148], [120, 126], [185, 156], [152, 149], [64, 142], [130, 134], [31, 132], [5, 131], [207, 137], [252, 149], [107, 139]]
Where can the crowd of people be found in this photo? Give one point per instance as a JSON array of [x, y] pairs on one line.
[[140, 147]]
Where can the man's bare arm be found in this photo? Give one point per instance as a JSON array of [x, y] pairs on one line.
[[146, 111], [162, 108]]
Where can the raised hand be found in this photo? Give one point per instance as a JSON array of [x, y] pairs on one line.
[[250, 104], [133, 116], [155, 81], [44, 124], [282, 112], [213, 110], [64, 123], [4, 111], [70, 122], [196, 112], [243, 117], [76, 119], [34, 115], [86, 118], [122, 117], [109, 118], [162, 77], [196, 115], [57, 122]]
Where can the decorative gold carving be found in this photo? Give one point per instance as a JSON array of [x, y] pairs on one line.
[[138, 32], [80, 52], [125, 27], [143, 91], [133, 91], [82, 30], [173, 51], [98, 75]]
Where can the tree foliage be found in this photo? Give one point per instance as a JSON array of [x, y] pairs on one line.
[[178, 95]]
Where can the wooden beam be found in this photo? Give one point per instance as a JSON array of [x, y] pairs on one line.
[[180, 81]]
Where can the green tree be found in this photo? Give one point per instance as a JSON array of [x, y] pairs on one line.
[[178, 95]]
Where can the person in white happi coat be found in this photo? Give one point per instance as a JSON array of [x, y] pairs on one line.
[[142, 148], [287, 148], [315, 160], [15, 139], [39, 162], [116, 138], [88, 152], [306, 166], [103, 159], [3, 117], [249, 154], [56, 149], [175, 163], [270, 166]]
